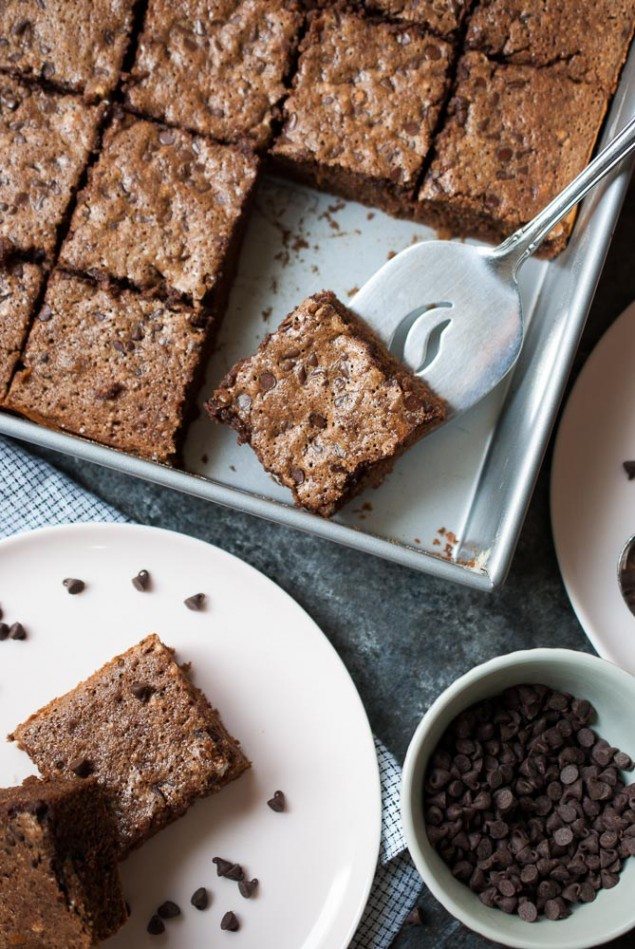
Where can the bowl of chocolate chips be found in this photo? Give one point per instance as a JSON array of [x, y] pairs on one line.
[[518, 799]]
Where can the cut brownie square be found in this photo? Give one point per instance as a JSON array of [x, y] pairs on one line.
[[324, 405], [502, 156], [59, 886], [215, 66], [162, 210], [440, 16], [110, 365], [589, 40], [365, 101], [45, 141], [147, 734], [20, 285], [77, 45]]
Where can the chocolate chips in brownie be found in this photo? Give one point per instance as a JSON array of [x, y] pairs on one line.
[[154, 758], [215, 66], [116, 367], [501, 157], [45, 142], [365, 101], [59, 887], [324, 405], [443, 17], [19, 289], [162, 210], [76, 45]]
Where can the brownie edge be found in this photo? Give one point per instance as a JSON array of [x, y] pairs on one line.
[[325, 405]]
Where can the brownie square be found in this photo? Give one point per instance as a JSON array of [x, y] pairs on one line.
[[45, 141], [19, 289], [215, 66], [502, 156], [110, 365], [440, 16], [148, 736], [589, 40], [324, 405], [59, 886], [364, 104], [77, 45], [163, 209]]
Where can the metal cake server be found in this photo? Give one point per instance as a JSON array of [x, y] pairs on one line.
[[452, 312]]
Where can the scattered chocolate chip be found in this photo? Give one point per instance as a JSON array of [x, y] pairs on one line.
[[156, 926], [229, 922], [629, 468], [298, 475], [142, 581], [278, 802], [195, 602], [225, 868], [267, 381], [248, 887], [142, 691], [73, 585], [4, 631], [82, 767], [17, 631], [200, 898], [168, 910]]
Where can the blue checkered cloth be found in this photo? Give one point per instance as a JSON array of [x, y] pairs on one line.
[[34, 494]]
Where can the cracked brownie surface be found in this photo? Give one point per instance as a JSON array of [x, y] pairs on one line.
[[215, 66], [19, 288], [501, 157], [148, 736], [45, 142], [162, 209], [110, 365], [74, 44], [324, 405], [590, 40]]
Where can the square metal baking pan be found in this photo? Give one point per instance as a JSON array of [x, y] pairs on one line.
[[455, 503]]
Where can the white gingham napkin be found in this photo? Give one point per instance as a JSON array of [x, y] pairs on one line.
[[34, 494]]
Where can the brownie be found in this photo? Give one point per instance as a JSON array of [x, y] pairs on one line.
[[163, 209], [440, 16], [590, 40], [19, 289], [145, 732], [502, 156], [45, 142], [215, 66], [77, 45], [111, 365], [365, 101], [324, 405], [59, 886]]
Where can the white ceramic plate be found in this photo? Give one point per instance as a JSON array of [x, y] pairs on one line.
[[592, 501], [281, 689]]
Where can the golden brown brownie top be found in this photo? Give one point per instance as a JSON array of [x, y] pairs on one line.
[[215, 66], [441, 16], [19, 287], [148, 736], [75, 44], [160, 208], [45, 141], [590, 38], [322, 401], [502, 151], [115, 367], [366, 97]]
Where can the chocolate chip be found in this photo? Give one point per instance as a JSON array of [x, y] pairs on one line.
[[563, 836], [298, 475], [17, 631], [45, 313], [278, 802], [629, 468], [317, 420], [4, 631], [142, 581], [528, 911], [195, 602], [200, 898], [569, 774], [156, 926], [142, 691], [267, 381], [248, 887], [82, 767], [167, 136], [73, 585], [222, 866], [168, 910], [229, 922]]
